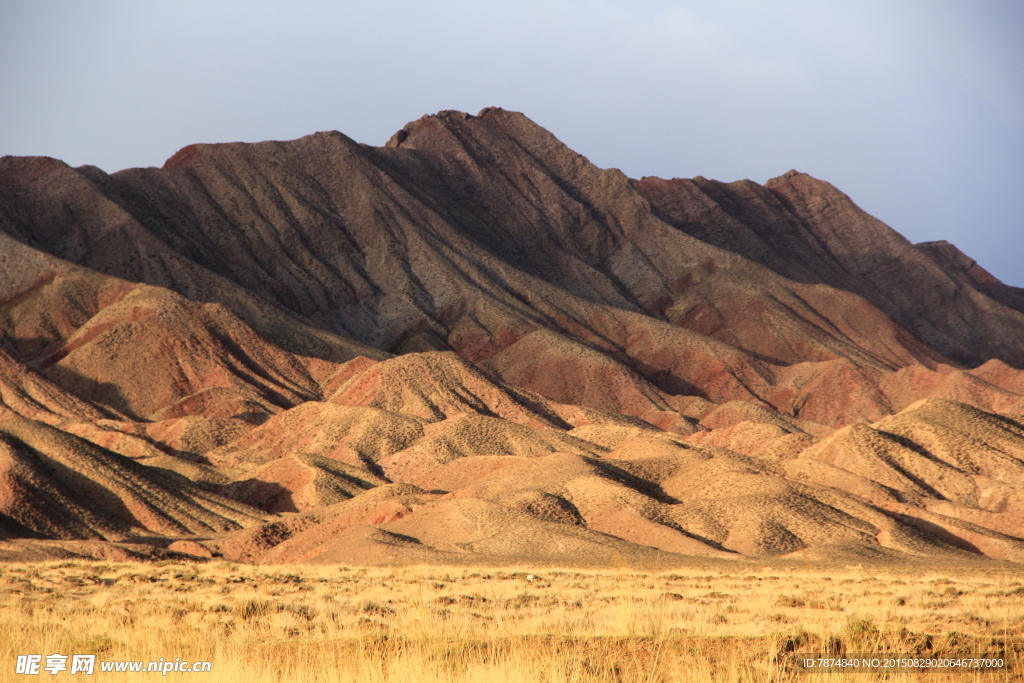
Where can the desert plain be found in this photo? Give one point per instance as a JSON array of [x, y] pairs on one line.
[[419, 623]]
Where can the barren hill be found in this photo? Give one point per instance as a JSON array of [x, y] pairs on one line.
[[473, 343]]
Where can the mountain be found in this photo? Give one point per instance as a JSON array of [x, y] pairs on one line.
[[473, 344]]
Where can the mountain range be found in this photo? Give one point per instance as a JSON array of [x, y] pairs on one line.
[[472, 344]]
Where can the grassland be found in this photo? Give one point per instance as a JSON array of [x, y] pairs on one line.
[[427, 624]]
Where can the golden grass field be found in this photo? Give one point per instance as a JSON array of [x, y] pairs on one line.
[[427, 624]]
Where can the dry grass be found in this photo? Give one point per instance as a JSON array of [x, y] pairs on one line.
[[337, 623]]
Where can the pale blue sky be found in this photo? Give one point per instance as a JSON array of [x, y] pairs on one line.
[[913, 108]]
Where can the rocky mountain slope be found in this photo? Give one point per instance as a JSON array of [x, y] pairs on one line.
[[473, 344]]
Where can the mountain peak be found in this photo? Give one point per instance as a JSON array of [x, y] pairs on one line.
[[790, 176], [450, 119], [183, 157]]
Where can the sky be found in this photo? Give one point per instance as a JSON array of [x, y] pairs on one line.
[[912, 108]]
